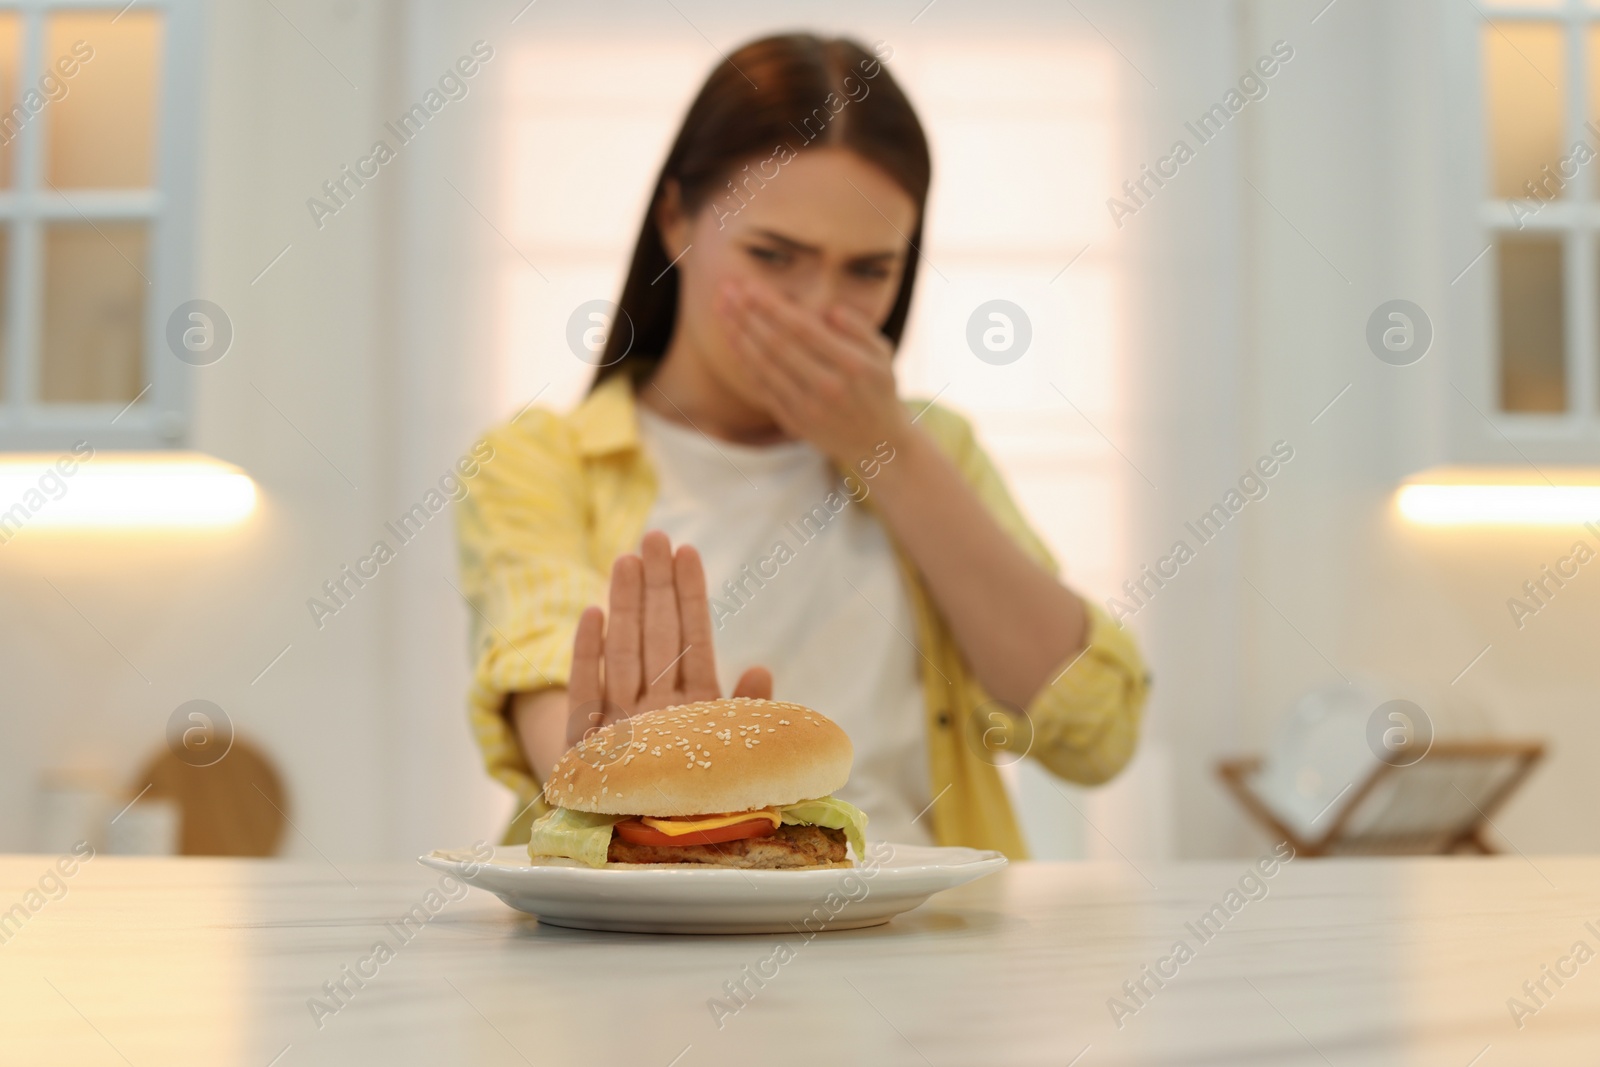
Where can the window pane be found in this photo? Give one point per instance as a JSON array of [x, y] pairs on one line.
[[12, 119], [1524, 73], [1533, 369], [102, 132], [1592, 56], [94, 307]]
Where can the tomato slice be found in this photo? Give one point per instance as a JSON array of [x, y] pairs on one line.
[[637, 833]]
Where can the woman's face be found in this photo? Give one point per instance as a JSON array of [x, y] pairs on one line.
[[827, 228]]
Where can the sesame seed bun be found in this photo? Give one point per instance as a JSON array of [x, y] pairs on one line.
[[734, 754]]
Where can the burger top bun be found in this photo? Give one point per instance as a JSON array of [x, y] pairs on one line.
[[727, 755]]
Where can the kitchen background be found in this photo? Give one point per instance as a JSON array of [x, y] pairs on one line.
[[1181, 329]]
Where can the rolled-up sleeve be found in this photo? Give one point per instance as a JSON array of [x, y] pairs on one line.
[[1085, 722], [527, 575]]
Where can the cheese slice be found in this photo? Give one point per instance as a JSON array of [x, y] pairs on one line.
[[679, 827]]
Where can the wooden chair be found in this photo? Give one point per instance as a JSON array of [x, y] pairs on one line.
[[1421, 809], [235, 807]]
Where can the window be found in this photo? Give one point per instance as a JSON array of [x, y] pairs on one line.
[[1541, 76], [96, 134]]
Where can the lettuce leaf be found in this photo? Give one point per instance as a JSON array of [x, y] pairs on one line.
[[586, 837], [834, 814], [580, 835]]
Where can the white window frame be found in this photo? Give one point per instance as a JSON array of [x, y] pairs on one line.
[[159, 418], [1575, 216]]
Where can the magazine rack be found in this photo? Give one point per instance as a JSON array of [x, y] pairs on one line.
[[1440, 804]]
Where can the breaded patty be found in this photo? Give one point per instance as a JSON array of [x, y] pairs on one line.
[[787, 846]]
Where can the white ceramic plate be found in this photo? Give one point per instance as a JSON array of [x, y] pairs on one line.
[[719, 900]]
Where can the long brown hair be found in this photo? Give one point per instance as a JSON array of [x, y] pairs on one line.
[[773, 95]]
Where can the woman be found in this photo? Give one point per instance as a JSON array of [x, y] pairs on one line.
[[862, 555]]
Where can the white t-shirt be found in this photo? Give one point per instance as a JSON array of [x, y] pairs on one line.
[[827, 612]]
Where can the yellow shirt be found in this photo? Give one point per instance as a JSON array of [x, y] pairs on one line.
[[563, 496]]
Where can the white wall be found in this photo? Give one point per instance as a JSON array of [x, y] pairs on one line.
[[200, 615], [1373, 151]]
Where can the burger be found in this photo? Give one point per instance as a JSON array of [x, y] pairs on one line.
[[720, 783]]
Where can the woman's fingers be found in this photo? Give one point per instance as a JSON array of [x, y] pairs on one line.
[[795, 355], [786, 392], [755, 683], [622, 640], [657, 647], [772, 353], [662, 644], [814, 339], [853, 324], [698, 668], [585, 696]]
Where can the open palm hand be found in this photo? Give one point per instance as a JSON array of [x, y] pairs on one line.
[[654, 648]]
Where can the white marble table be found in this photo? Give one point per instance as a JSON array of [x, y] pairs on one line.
[[1343, 962]]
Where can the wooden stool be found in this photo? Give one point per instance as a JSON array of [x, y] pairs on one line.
[[235, 807]]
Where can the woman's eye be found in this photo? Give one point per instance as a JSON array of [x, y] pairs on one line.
[[870, 270], [770, 255]]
